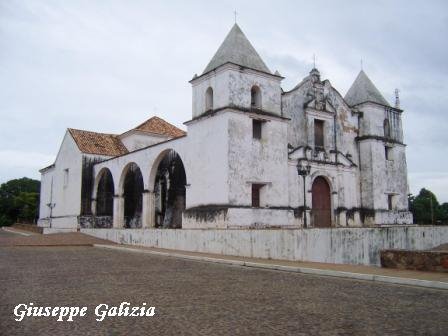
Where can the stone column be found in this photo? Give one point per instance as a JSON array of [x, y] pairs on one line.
[[118, 221], [148, 220], [93, 206]]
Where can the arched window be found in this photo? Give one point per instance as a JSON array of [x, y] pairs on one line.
[[255, 97], [209, 99], [386, 126]]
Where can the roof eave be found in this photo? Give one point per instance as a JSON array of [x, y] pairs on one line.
[[193, 80]]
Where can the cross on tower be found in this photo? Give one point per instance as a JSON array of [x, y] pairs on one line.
[[235, 13]]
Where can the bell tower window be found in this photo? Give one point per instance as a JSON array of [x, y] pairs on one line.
[[386, 126], [255, 97], [209, 99]]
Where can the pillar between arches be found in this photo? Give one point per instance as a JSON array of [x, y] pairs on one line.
[[148, 210], [118, 219]]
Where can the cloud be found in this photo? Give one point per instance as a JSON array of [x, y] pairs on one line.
[[16, 164]]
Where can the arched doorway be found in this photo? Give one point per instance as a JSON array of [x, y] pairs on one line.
[[169, 191], [321, 203], [104, 200], [132, 194]]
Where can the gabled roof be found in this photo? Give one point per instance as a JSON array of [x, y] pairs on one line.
[[97, 143], [237, 49], [362, 91], [159, 126]]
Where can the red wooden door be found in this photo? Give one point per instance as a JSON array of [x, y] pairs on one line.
[[321, 206]]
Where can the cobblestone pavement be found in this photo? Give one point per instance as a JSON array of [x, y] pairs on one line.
[[195, 298]]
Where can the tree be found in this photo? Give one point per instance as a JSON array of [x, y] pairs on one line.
[[19, 200], [426, 208]]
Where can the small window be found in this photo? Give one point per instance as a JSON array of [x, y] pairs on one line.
[[388, 153], [255, 97], [256, 194], [256, 128], [386, 126], [209, 99], [66, 173], [318, 133], [390, 202]]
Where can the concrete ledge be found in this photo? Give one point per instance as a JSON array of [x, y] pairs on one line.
[[303, 270], [17, 231], [58, 230]]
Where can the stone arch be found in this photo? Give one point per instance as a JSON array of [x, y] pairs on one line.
[[321, 204], [105, 191], [168, 180], [209, 99], [255, 97], [131, 189]]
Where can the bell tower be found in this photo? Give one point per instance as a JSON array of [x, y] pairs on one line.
[[236, 77]]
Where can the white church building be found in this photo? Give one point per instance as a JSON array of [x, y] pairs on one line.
[[253, 157]]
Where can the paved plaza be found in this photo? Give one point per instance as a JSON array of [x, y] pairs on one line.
[[197, 298]]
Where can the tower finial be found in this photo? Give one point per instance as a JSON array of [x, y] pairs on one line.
[[314, 61], [235, 13], [361, 65], [397, 98]]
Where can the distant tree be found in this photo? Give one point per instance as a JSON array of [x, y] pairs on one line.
[[426, 208], [19, 200], [444, 213]]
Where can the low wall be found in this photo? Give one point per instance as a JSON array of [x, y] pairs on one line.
[[433, 261], [338, 245]]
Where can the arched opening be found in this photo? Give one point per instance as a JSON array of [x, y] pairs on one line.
[[209, 99], [132, 194], [386, 126], [321, 203], [255, 97], [169, 191], [104, 200]]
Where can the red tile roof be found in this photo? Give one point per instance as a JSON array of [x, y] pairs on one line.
[[111, 145], [98, 143], [159, 126]]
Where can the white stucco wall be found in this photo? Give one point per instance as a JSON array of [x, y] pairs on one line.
[[134, 139], [66, 177], [342, 245]]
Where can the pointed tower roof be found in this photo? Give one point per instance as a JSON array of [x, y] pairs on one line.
[[363, 90], [237, 49]]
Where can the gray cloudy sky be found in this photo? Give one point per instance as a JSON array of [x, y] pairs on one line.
[[109, 65]]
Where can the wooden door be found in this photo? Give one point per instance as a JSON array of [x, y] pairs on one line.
[[321, 206]]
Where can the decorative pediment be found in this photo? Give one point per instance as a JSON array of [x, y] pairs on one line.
[[320, 106], [321, 156]]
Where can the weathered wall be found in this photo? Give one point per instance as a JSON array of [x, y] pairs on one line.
[[342, 245], [232, 85], [380, 176], [262, 161], [241, 217]]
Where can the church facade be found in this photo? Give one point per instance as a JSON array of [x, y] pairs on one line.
[[253, 156]]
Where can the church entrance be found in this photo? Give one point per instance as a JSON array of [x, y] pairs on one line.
[[321, 203], [169, 190]]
